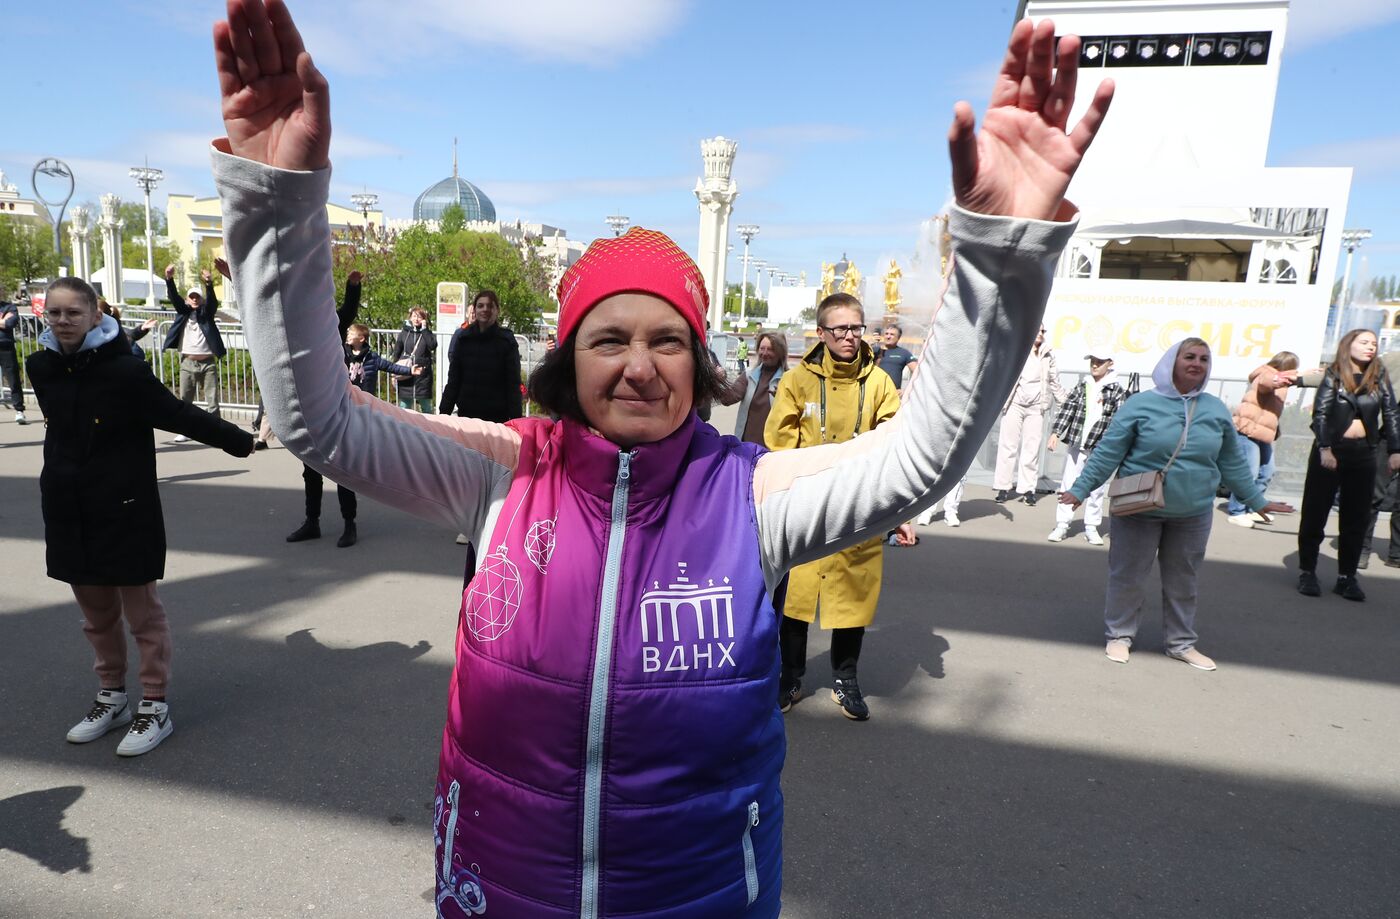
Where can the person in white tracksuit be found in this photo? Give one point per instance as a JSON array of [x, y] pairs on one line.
[[1023, 423], [1082, 418]]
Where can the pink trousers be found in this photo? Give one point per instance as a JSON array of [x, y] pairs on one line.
[[103, 610]]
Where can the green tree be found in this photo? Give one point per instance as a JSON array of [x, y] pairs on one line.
[[453, 220], [26, 251]]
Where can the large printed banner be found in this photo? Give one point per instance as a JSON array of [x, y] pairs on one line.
[[1136, 321]]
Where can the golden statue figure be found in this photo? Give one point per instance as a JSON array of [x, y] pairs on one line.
[[828, 279], [892, 287], [850, 284]]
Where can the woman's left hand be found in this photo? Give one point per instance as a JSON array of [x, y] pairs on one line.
[[1068, 498], [1021, 162], [1275, 507]]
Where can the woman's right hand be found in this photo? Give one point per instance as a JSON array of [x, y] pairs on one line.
[[276, 104], [1327, 458], [1068, 498]]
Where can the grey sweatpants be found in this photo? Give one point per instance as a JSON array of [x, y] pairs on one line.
[[1177, 544]]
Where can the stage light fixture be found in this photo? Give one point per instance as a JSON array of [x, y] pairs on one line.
[[1230, 48], [1147, 49], [1092, 52], [1118, 50], [1205, 47], [1173, 50], [1255, 48]]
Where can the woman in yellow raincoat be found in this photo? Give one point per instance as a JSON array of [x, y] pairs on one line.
[[834, 393]]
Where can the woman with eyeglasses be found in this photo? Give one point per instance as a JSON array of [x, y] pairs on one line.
[[836, 392]]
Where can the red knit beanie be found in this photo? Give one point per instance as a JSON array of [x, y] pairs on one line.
[[640, 261]]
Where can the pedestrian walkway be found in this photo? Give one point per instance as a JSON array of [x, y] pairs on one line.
[[1008, 768]]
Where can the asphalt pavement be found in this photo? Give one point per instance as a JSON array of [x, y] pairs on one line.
[[1008, 770]]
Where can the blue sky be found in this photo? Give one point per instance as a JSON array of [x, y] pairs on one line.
[[567, 111]]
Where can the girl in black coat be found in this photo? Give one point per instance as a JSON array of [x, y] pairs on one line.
[[103, 527], [417, 347], [1354, 402]]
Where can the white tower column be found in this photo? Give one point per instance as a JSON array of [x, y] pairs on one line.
[[716, 192], [79, 225], [111, 226]]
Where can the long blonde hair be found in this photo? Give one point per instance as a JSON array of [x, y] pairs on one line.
[[1346, 369]]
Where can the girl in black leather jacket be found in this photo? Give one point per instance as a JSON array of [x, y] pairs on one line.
[[1355, 407]]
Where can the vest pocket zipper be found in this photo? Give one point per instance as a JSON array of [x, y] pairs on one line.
[[453, 793], [750, 865]]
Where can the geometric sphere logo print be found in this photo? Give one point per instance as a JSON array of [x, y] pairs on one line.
[[539, 544], [494, 597]]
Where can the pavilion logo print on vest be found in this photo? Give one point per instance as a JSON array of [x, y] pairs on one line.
[[456, 882], [686, 626]]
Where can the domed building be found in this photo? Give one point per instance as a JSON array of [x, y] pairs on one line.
[[454, 190]]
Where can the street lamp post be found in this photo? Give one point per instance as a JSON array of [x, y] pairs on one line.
[[148, 178], [365, 201], [51, 166], [618, 223], [1352, 239], [747, 231]]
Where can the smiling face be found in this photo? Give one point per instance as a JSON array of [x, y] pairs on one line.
[[634, 369], [486, 312], [70, 317], [1363, 348], [767, 354], [1192, 366]]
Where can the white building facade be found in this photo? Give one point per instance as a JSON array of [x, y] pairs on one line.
[[1184, 230]]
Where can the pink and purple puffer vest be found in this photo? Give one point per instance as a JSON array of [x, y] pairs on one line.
[[613, 743]]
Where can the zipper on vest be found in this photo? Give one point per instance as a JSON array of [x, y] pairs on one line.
[[750, 865], [453, 793], [598, 695]]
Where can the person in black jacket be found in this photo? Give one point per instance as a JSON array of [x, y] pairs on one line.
[[103, 527], [1355, 399], [195, 334], [417, 347], [483, 370], [9, 362], [363, 366]]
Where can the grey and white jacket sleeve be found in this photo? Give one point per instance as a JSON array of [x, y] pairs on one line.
[[816, 500], [449, 471]]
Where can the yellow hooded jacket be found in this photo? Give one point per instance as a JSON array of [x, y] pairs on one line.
[[856, 397]]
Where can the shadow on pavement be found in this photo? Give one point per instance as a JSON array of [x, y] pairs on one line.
[[31, 824]]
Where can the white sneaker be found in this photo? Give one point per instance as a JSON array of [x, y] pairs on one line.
[[1258, 518], [1059, 533], [1092, 535], [20, 419], [109, 711], [1241, 520], [951, 519], [462, 539], [151, 726], [180, 439]]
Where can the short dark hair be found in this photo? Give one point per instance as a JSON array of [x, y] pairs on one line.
[[899, 329], [489, 295], [836, 301], [78, 286], [554, 382]]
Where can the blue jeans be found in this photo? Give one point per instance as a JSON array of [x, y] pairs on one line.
[[1261, 464]]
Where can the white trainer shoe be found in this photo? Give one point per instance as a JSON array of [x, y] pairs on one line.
[[1092, 535], [1241, 520], [180, 439], [951, 519], [1059, 533], [151, 725], [109, 711], [20, 419]]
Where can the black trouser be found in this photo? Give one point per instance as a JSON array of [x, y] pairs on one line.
[[1354, 478], [9, 366], [792, 639], [1386, 496], [313, 480]]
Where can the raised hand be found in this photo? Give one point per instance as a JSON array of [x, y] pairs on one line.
[[170, 272], [354, 277], [1020, 163], [276, 104], [222, 267]]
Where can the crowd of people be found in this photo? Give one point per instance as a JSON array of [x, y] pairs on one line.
[[583, 666]]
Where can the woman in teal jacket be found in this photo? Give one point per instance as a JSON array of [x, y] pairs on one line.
[[1142, 438]]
